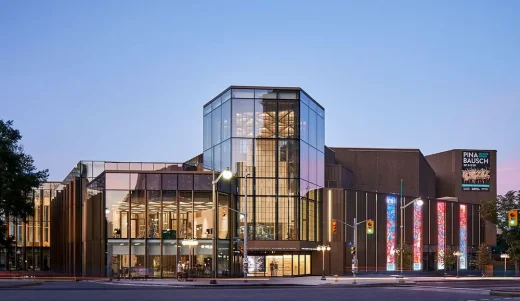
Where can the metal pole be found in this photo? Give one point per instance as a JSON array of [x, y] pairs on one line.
[[354, 269], [323, 265], [246, 262], [214, 240], [505, 266], [458, 260], [402, 228]]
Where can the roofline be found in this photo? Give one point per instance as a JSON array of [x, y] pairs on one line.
[[263, 88], [375, 149], [463, 149]]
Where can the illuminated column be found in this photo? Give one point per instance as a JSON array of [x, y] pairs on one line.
[[417, 237], [441, 234], [390, 232], [463, 248]]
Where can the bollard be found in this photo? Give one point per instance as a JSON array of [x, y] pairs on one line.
[[335, 278]]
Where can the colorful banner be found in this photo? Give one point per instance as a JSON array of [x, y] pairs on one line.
[[441, 234], [476, 172], [390, 232], [463, 248], [417, 237]]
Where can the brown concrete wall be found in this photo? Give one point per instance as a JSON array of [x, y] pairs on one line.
[[381, 170], [448, 168]]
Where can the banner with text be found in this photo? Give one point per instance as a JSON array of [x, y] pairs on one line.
[[475, 171]]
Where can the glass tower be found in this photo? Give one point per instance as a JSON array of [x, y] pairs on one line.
[[277, 135]]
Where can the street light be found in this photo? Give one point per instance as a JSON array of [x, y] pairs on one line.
[[505, 256], [458, 254], [227, 175], [246, 232], [419, 202], [323, 249]]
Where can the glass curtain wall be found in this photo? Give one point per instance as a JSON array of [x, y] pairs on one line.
[[312, 165], [30, 250], [149, 216], [277, 136]]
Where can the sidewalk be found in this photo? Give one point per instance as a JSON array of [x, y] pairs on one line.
[[14, 283], [264, 282]]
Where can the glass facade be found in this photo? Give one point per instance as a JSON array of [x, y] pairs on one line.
[[149, 216], [277, 136], [30, 250]]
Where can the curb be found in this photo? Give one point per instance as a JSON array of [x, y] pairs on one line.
[[17, 285], [267, 285], [504, 293]]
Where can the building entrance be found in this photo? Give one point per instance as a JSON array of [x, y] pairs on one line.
[[279, 265]]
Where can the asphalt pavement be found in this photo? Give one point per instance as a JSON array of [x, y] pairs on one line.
[[91, 291]]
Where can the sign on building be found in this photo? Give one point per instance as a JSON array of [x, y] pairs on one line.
[[475, 171]]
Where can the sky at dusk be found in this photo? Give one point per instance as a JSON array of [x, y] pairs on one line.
[[126, 80]]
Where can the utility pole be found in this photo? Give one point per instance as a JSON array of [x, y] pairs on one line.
[[246, 233], [355, 262], [402, 229], [354, 258]]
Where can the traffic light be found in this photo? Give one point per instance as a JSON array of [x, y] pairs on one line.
[[512, 218], [370, 226], [334, 227], [353, 250]]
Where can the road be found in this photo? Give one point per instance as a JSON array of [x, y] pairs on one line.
[[66, 291]]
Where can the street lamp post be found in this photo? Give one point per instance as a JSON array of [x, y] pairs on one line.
[[246, 232], [419, 202], [458, 254], [505, 256], [226, 174], [323, 249]]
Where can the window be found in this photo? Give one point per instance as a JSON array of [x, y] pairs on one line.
[[241, 207], [117, 207], [265, 118], [226, 120], [320, 140], [288, 119], [303, 219], [207, 132], [304, 122], [265, 218], [217, 162], [312, 220], [225, 154], [153, 181], [312, 165], [137, 225], [242, 156], [265, 160], [243, 93], [117, 181], [304, 161], [169, 181], [153, 212], [265, 186], [243, 121], [312, 126], [286, 218], [288, 158], [216, 126]]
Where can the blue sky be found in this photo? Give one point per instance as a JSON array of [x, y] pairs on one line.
[[116, 80]]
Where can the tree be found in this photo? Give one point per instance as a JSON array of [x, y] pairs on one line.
[[483, 258], [449, 259], [18, 178], [495, 211], [407, 257]]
